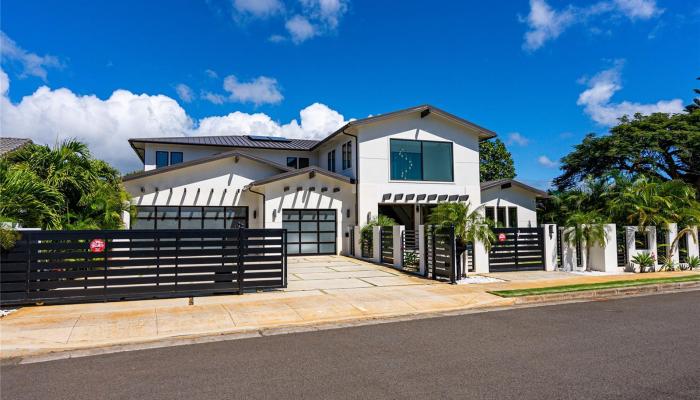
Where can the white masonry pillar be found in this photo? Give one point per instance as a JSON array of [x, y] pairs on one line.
[[604, 257], [481, 258], [550, 247], [398, 248], [421, 249], [357, 237], [568, 251], [692, 240], [376, 244]]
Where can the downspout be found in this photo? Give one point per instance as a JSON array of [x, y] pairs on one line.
[[263, 205], [357, 180]]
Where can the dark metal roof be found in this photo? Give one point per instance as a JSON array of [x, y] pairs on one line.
[[237, 141], [311, 169], [424, 110], [241, 141], [499, 182], [9, 144], [203, 160]]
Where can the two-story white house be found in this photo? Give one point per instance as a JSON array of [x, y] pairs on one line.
[[398, 164]]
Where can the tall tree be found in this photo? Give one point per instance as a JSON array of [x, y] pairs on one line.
[[496, 162], [695, 105], [60, 188], [659, 145]]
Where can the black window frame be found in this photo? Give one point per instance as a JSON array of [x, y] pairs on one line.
[[347, 155], [331, 160], [173, 162], [501, 222], [512, 217], [293, 162], [490, 213], [167, 158], [228, 222], [422, 173]]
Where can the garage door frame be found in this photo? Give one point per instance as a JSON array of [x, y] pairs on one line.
[[295, 238]]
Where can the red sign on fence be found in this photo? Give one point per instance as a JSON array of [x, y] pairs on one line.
[[97, 245], [501, 237]]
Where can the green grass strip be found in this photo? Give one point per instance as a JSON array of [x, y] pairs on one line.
[[593, 286]]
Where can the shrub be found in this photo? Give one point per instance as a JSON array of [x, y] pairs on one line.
[[644, 260], [693, 262]]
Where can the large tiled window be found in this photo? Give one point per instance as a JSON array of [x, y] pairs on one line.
[[420, 160], [164, 158]]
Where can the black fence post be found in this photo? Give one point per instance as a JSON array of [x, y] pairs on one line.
[[28, 238], [239, 266], [454, 270], [284, 258]]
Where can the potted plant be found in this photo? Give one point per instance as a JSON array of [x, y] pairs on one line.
[[644, 261]]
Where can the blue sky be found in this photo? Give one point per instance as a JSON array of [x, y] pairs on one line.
[[540, 73]]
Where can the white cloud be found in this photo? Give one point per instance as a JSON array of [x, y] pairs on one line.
[[328, 12], [600, 90], [546, 24], [300, 29], [213, 97], [184, 92], [32, 64], [211, 73], [261, 90], [49, 115], [258, 8], [546, 162], [517, 138]]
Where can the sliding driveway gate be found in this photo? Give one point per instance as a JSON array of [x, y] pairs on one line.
[[70, 266], [517, 249]]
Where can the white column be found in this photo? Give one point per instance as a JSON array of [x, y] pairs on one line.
[[481, 258], [377, 244], [550, 247], [604, 257], [670, 237], [651, 236], [568, 251], [693, 249], [421, 248], [126, 219], [398, 253], [358, 242], [632, 249]]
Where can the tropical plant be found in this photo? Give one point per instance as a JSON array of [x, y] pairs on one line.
[[410, 258], [381, 220], [8, 237], [667, 264], [469, 226], [62, 187], [587, 228], [693, 262], [644, 260]]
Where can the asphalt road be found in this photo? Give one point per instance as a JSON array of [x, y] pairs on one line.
[[635, 348]]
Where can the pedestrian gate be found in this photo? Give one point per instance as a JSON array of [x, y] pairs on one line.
[[517, 249], [440, 259]]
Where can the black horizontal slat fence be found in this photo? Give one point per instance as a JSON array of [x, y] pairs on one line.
[[60, 267]]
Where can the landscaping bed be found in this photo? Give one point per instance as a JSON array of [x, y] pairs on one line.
[[593, 286]]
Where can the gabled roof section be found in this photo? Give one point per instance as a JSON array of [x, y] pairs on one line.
[[203, 160], [238, 141], [307, 170], [424, 110], [512, 182], [9, 144]]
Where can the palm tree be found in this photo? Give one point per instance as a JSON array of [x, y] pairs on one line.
[[78, 190], [588, 228], [470, 226]]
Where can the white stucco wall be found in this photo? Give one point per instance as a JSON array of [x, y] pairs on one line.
[[374, 155], [276, 200], [514, 196], [217, 183]]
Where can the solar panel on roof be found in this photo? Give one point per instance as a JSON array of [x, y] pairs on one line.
[[269, 139]]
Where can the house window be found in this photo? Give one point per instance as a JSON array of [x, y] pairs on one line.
[[490, 214], [419, 160], [347, 155], [175, 157], [331, 160], [164, 217], [501, 217], [512, 217], [161, 159], [297, 162]]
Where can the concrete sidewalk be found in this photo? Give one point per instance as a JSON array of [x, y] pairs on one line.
[[353, 290]]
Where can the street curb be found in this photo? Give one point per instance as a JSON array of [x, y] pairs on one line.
[[519, 303], [608, 293]]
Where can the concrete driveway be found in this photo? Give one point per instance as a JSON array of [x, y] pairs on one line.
[[337, 272]]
